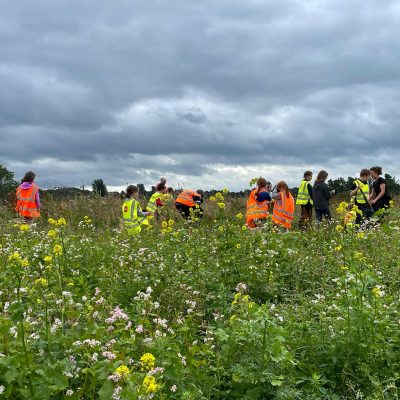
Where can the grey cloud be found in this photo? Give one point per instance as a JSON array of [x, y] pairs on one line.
[[94, 86]]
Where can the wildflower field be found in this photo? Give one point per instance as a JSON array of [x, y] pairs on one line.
[[205, 310]]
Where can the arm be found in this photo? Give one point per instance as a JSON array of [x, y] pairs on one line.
[[263, 196], [327, 193], [37, 199], [309, 188], [383, 190], [354, 189]]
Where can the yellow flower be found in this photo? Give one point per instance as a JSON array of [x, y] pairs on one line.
[[51, 233], [377, 292], [338, 248], [150, 385], [122, 370], [233, 319], [24, 262], [52, 221], [163, 231], [339, 228], [14, 257], [221, 205], [391, 203], [221, 228], [225, 191], [342, 207], [239, 216], [171, 222], [212, 198], [70, 284], [48, 259], [61, 222], [87, 220], [238, 245], [244, 227], [24, 228], [361, 235], [147, 361], [359, 256], [41, 282], [343, 268], [57, 250], [164, 224]]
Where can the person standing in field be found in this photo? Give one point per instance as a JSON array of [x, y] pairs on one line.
[[305, 199], [283, 212], [359, 196], [28, 199], [379, 198], [156, 199], [188, 204], [132, 213], [321, 196], [258, 204]]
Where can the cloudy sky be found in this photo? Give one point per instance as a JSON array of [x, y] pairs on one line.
[[208, 93]]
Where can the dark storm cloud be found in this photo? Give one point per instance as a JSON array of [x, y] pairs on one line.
[[141, 88]]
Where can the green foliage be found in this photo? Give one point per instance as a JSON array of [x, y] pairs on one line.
[[200, 309], [7, 183], [99, 187]]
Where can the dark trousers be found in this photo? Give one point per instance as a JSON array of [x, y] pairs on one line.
[[306, 215], [367, 213], [184, 210], [326, 212]]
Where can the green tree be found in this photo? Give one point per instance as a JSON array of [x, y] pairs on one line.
[[99, 187], [7, 183], [392, 184], [142, 190]]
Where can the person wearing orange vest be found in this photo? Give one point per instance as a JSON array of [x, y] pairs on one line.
[[258, 204], [28, 201], [188, 201], [283, 206]]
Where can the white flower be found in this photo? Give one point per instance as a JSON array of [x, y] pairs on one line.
[[173, 388], [69, 393], [2, 389]]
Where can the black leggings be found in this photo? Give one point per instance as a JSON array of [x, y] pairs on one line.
[[326, 212], [184, 210]]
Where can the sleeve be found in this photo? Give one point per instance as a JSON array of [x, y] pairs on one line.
[[327, 192], [37, 199], [141, 213], [263, 196], [353, 186]]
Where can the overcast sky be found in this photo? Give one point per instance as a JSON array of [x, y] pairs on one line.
[[207, 93]]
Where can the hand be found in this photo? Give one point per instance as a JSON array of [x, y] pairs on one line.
[[372, 202]]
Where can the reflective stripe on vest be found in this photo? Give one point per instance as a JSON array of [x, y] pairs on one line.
[[303, 196], [255, 209], [151, 205], [130, 216], [26, 202], [186, 198], [283, 210], [364, 188]]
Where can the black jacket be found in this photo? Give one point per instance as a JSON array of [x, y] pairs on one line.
[[321, 195]]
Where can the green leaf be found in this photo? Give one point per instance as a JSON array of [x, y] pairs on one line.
[[106, 391]]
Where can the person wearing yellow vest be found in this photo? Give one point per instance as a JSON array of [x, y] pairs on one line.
[[132, 213], [156, 198], [258, 204], [188, 202], [28, 201], [283, 206], [304, 198], [359, 195]]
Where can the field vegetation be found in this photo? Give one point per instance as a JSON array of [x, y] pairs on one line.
[[204, 310]]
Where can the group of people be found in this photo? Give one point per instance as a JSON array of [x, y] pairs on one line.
[[263, 201]]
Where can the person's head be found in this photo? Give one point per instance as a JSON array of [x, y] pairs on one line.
[[322, 175], [375, 172], [365, 174], [200, 192], [268, 186], [282, 187], [261, 183], [163, 180], [170, 190], [28, 177], [161, 187], [308, 175], [131, 191]]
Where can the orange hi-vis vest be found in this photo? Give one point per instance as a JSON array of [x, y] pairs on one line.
[[26, 203], [283, 210], [255, 210], [186, 198]]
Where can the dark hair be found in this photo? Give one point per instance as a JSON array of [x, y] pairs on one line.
[[365, 172], [307, 173], [130, 190], [283, 185], [200, 192], [376, 169], [268, 184], [322, 175], [160, 186], [28, 177]]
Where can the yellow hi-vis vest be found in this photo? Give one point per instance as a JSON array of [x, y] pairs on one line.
[[132, 221], [364, 188], [151, 205], [303, 197]]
